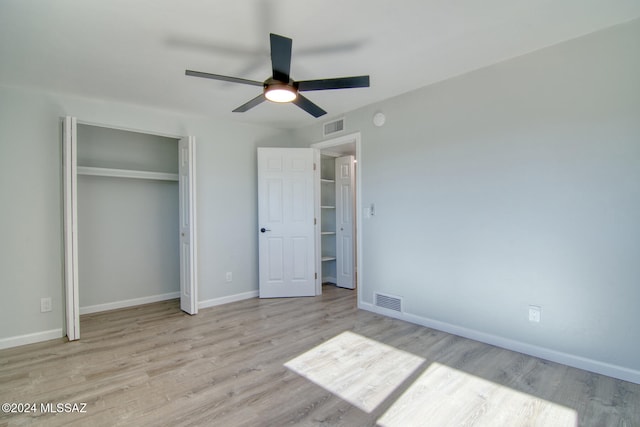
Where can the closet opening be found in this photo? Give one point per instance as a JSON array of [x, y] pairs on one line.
[[128, 248], [337, 205], [128, 197]]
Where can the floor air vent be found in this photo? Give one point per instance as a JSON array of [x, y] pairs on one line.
[[389, 302]]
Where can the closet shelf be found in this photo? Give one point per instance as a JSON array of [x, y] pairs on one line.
[[328, 258], [327, 233], [327, 180], [327, 207], [124, 173]]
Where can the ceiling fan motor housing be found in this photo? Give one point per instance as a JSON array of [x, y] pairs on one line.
[[277, 91]]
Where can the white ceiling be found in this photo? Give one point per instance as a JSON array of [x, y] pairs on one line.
[[136, 51]]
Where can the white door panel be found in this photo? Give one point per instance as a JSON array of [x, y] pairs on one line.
[[188, 247], [345, 225], [70, 170], [286, 222]]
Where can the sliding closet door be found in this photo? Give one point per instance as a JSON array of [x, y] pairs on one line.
[[72, 305]]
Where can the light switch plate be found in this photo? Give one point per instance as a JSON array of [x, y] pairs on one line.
[[534, 313]]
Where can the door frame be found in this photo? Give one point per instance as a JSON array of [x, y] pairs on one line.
[[70, 202], [356, 139]]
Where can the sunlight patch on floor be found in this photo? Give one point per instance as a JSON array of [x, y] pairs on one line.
[[357, 369], [443, 396]]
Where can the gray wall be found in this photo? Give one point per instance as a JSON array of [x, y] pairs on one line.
[[119, 149], [31, 195], [127, 239], [127, 228], [512, 185]]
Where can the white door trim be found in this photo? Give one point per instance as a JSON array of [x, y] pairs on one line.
[[356, 139]]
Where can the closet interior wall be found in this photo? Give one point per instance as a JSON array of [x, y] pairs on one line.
[[127, 222]]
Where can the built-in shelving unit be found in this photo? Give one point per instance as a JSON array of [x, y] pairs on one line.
[[328, 218], [336, 262]]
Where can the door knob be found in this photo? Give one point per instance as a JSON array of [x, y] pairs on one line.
[[262, 230]]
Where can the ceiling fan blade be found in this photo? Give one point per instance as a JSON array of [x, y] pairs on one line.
[[249, 105], [281, 57], [309, 106], [223, 78], [338, 83]]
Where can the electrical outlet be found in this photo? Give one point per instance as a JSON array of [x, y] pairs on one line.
[[534, 313], [229, 276], [45, 305]]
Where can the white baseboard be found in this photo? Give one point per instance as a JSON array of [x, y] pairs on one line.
[[57, 333], [30, 338], [579, 362], [224, 300], [329, 279], [128, 303]]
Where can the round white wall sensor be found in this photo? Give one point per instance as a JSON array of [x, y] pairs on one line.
[[379, 119]]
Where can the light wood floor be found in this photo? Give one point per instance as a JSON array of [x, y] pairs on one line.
[[153, 365]]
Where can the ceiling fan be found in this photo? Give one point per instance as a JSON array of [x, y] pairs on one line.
[[280, 87]]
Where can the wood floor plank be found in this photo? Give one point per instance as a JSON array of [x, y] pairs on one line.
[[154, 365]]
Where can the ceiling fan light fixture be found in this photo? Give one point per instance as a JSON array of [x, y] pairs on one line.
[[280, 87], [280, 93]]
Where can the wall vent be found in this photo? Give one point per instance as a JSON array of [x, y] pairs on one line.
[[332, 127], [389, 302]]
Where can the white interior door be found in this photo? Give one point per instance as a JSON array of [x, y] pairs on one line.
[[345, 226], [187, 215], [70, 182], [286, 226]]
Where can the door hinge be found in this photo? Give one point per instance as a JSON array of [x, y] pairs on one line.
[[316, 276], [314, 221], [314, 166]]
